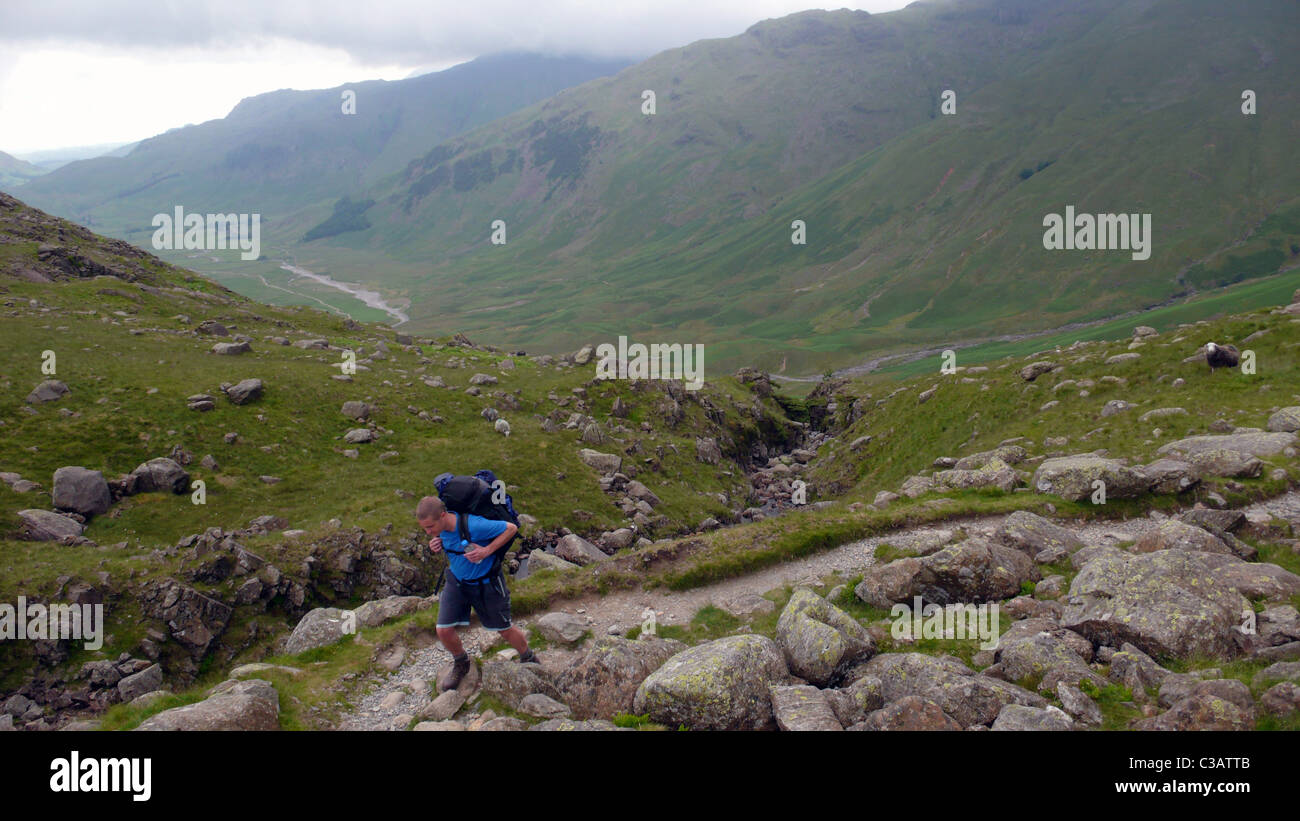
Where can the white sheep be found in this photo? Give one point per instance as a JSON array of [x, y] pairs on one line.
[[502, 427]]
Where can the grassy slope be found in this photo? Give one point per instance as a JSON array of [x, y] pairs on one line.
[[919, 225]]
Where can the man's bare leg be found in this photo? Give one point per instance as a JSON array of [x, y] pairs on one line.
[[516, 638], [451, 640]]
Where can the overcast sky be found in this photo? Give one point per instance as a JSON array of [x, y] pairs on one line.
[[84, 72]]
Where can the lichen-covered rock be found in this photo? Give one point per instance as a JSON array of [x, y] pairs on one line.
[[510, 682], [1171, 475], [319, 628], [720, 685], [561, 628], [1286, 420], [1170, 602], [245, 705], [1072, 478], [976, 570], [1044, 660], [969, 698], [1017, 717], [375, 613], [603, 682], [606, 463], [909, 714], [1256, 444], [1175, 535], [852, 704], [820, 642], [1032, 534], [1201, 711], [803, 708], [45, 526], [1232, 464], [995, 474]]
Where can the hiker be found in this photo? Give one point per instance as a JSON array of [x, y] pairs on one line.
[[474, 580]]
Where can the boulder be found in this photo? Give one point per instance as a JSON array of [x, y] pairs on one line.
[[137, 684], [561, 628], [1175, 535], [1036, 369], [1203, 711], [1032, 534], [231, 348], [44, 526], [606, 463], [1256, 444], [1170, 602], [543, 706], [375, 613], [996, 474], [707, 451], [161, 474], [81, 491], [359, 436], [244, 705], [1018, 717], [976, 570], [802, 708], [541, 560], [247, 390], [1044, 661], [1170, 475], [577, 550], [1232, 464], [511, 682], [969, 698], [819, 641], [719, 685], [909, 714], [50, 390], [1072, 477], [603, 682], [1287, 420], [319, 628], [356, 410]]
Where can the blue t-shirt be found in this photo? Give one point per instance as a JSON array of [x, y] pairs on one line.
[[481, 532]]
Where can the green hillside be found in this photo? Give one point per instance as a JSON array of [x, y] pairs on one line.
[[922, 228], [14, 172]]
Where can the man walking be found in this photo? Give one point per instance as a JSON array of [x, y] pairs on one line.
[[474, 581]]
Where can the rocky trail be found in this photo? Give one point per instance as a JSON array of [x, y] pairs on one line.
[[395, 698]]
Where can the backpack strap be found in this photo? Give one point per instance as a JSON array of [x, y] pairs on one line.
[[462, 526]]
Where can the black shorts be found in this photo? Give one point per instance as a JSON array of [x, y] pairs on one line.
[[489, 597]]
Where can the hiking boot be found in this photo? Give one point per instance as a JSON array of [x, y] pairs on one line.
[[451, 678], [529, 658]]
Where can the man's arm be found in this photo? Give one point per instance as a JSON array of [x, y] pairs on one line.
[[481, 552]]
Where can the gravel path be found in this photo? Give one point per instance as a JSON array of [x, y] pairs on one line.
[[397, 697]]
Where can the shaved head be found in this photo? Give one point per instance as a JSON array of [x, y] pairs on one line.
[[430, 507]]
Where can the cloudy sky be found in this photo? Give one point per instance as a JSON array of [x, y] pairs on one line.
[[84, 72]]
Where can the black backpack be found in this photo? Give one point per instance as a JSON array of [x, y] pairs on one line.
[[472, 495]]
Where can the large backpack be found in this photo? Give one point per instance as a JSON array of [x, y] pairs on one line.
[[472, 495]]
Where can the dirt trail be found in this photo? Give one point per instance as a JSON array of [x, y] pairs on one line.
[[396, 698]]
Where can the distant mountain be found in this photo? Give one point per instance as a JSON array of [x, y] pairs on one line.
[[922, 228], [15, 172], [52, 158], [288, 150]]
